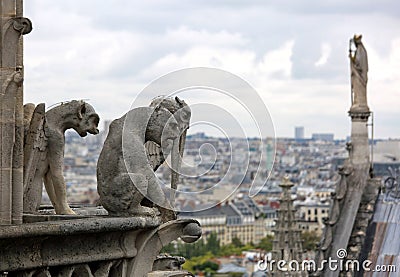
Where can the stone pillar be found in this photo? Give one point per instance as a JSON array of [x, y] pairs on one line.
[[359, 110], [347, 200], [12, 26], [360, 152]]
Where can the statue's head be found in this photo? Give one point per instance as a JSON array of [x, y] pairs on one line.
[[357, 39], [181, 113], [177, 107], [162, 127], [87, 120]]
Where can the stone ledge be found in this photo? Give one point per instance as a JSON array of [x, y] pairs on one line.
[[68, 240], [74, 225], [76, 242]]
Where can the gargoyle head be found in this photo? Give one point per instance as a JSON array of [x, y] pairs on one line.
[[88, 119]]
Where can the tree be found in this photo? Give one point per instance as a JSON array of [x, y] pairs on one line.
[[310, 240], [229, 250], [213, 244], [236, 242], [190, 250], [207, 266], [169, 248], [195, 263], [266, 243]]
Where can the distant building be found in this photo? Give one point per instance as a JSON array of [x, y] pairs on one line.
[[240, 219], [312, 216], [270, 215], [310, 226], [323, 193], [299, 133], [200, 135], [323, 136]]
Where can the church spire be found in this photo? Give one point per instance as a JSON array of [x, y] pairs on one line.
[[287, 244]]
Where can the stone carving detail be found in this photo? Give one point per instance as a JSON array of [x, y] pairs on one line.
[[392, 185], [327, 238], [168, 262], [359, 77], [113, 268], [44, 151], [136, 145], [150, 245], [156, 157], [11, 162], [12, 31], [12, 27], [336, 210], [22, 25], [101, 246]]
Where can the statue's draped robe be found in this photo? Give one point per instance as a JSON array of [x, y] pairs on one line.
[[359, 78]]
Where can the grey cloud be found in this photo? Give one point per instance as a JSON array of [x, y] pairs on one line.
[[59, 26]]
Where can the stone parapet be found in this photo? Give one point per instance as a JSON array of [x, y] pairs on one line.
[[88, 246]]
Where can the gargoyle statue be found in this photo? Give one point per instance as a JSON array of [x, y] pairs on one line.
[[136, 145], [44, 150]]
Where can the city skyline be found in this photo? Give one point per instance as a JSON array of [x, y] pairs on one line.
[[299, 66]]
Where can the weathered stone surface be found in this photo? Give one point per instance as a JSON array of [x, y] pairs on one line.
[[125, 176], [34, 149], [355, 193], [8, 150], [49, 154], [168, 263], [12, 27], [70, 241], [112, 247], [150, 244]]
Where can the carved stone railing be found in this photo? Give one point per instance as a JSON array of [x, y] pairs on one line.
[[67, 246]]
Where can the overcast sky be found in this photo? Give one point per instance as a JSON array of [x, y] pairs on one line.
[[294, 53]]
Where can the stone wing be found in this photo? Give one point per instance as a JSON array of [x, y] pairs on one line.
[[154, 154], [35, 144]]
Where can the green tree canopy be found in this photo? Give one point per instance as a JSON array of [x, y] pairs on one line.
[[310, 240], [266, 243]]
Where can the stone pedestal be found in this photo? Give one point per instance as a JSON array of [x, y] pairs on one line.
[[360, 151]]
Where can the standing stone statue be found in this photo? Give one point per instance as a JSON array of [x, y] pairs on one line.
[[359, 75], [44, 150], [136, 145]]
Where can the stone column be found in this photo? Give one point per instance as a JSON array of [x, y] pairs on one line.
[[360, 151], [12, 26], [355, 173]]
